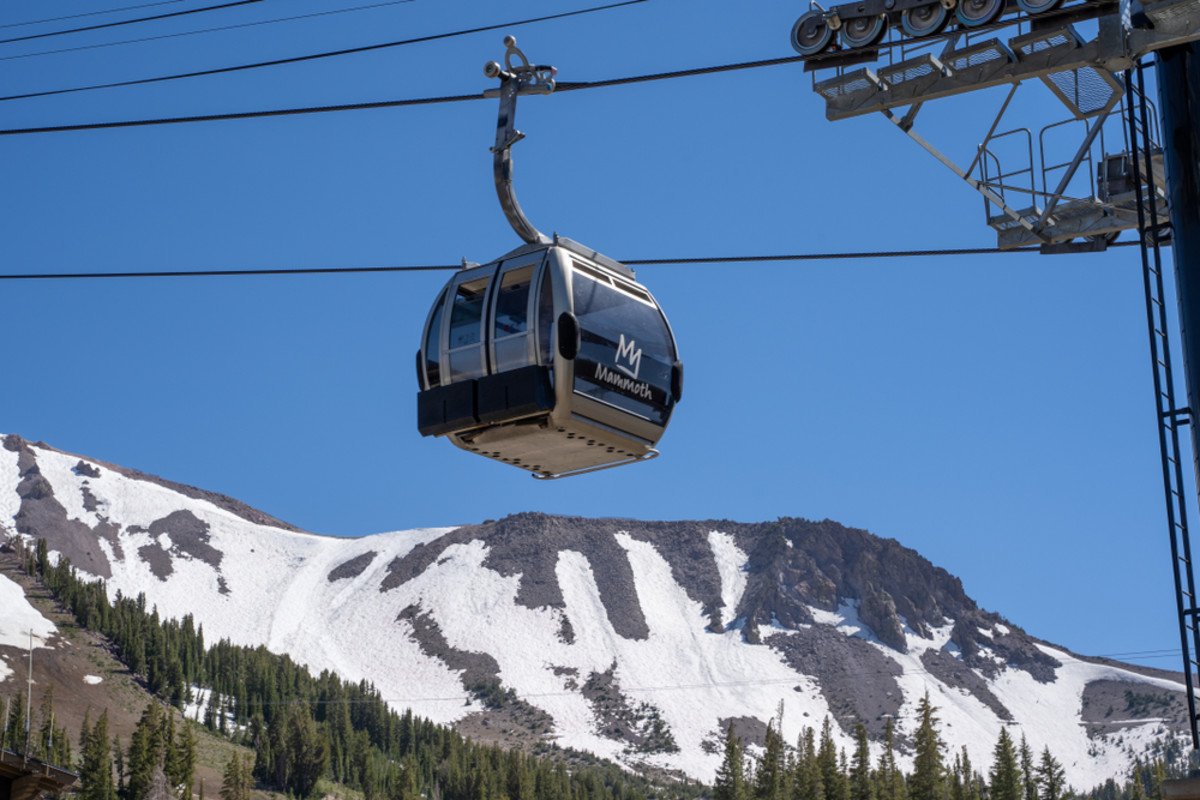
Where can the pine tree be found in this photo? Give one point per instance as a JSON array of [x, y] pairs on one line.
[[833, 777], [729, 783], [15, 729], [891, 779], [518, 784], [169, 756], [277, 763], [211, 711], [119, 762], [1005, 776], [807, 783], [236, 779], [928, 780], [971, 782], [862, 787], [1028, 778], [307, 752], [1136, 790], [95, 774], [1160, 775], [260, 740], [408, 787], [185, 761], [769, 775], [146, 753], [958, 786], [1050, 777]]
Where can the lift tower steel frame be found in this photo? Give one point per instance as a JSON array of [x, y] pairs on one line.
[[1170, 416], [1179, 101], [1151, 188]]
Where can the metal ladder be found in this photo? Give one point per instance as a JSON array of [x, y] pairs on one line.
[[1171, 417]]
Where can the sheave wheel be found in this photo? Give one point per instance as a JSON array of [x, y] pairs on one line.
[[924, 20], [973, 13], [811, 34], [862, 31], [1038, 6]]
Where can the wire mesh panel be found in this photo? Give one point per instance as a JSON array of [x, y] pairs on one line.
[[1042, 42], [977, 55], [849, 83], [924, 66], [1086, 91]]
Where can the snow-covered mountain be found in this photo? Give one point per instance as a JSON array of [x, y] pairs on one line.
[[637, 641]]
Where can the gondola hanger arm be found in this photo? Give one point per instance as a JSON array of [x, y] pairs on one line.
[[515, 79]]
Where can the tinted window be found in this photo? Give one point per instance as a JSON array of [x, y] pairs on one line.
[[467, 315], [432, 343], [512, 304], [627, 350]]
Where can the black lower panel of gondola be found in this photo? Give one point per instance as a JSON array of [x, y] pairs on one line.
[[514, 394], [490, 400], [446, 409]]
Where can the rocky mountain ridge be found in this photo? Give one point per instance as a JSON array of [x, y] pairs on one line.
[[637, 640]]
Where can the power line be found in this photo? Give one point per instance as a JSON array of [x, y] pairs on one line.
[[570, 86], [128, 21], [567, 87], [202, 31], [88, 14], [1140, 653], [315, 56], [710, 685], [283, 112], [560, 87], [225, 273], [961, 251]]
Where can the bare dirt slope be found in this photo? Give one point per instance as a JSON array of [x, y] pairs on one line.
[[71, 664]]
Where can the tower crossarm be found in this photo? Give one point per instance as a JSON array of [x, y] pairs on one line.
[[1040, 54]]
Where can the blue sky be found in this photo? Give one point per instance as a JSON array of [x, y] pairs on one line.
[[993, 412]]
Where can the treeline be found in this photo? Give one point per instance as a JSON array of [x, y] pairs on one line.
[[816, 769], [301, 728]]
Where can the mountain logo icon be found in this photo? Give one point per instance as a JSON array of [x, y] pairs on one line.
[[628, 360]]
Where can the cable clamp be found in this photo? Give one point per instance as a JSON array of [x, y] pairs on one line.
[[530, 78]]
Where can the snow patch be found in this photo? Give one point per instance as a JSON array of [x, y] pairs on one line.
[[20, 618], [846, 621], [194, 709], [198, 707], [10, 501], [731, 566], [92, 680]]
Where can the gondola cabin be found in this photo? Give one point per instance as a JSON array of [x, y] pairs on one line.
[[552, 358]]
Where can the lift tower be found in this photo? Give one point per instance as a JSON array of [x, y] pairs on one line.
[[1179, 99], [1120, 170]]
